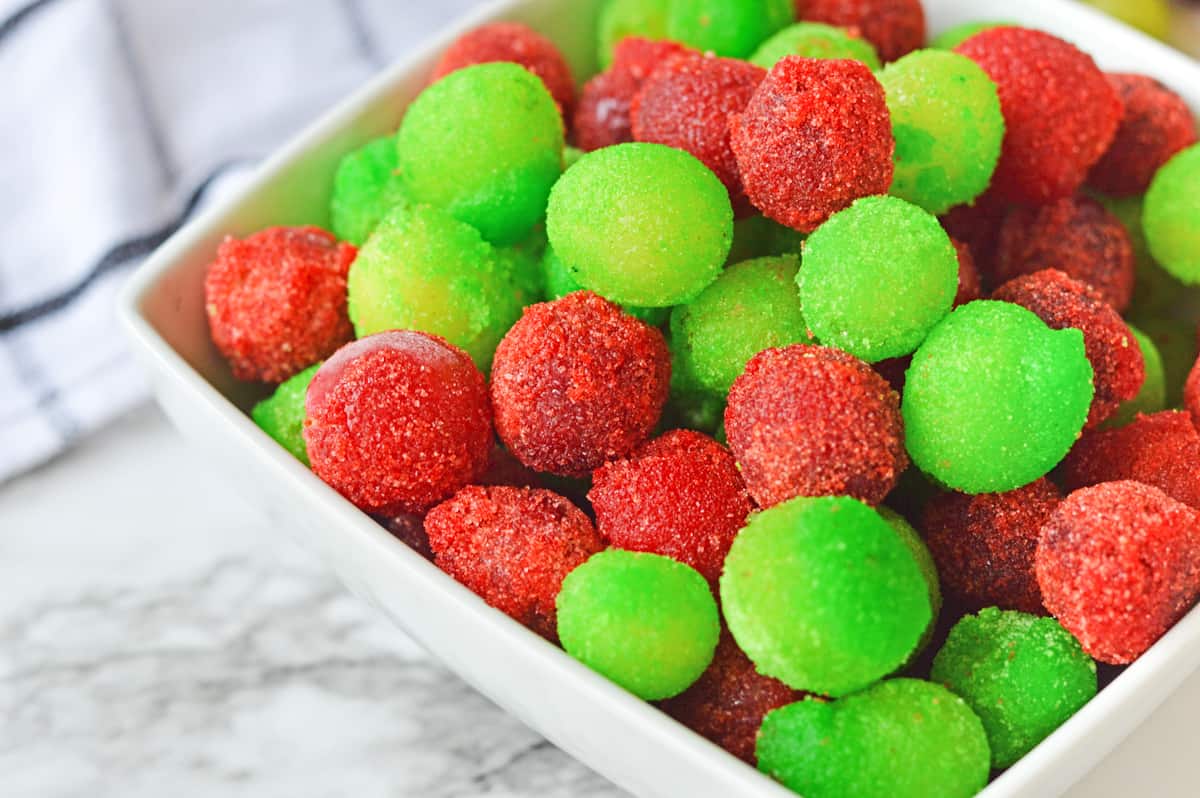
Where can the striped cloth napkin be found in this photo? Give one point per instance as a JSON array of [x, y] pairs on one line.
[[122, 118]]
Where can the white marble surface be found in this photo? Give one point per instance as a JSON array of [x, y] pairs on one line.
[[156, 638]]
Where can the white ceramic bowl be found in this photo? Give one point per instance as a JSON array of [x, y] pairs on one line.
[[623, 738]]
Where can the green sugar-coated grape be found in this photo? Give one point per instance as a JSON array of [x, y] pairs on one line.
[[422, 269], [647, 622], [877, 277], [822, 594], [486, 144], [281, 415], [1149, 16], [1156, 292], [1171, 217], [731, 28], [752, 306], [641, 224], [522, 263], [920, 553], [902, 738], [690, 405], [367, 185], [1023, 675], [948, 128], [815, 40], [623, 18], [953, 37], [1153, 395], [994, 398], [560, 282], [1175, 340], [759, 237]]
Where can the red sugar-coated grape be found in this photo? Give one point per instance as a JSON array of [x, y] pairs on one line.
[[1191, 394], [1117, 364], [576, 383], [895, 27], [815, 137], [813, 421], [276, 301], [513, 547], [409, 529], [1160, 449], [969, 287], [686, 103], [398, 421], [1076, 235], [978, 226], [680, 495], [1119, 564], [984, 545], [1060, 112], [602, 117], [516, 43], [1157, 124], [727, 704]]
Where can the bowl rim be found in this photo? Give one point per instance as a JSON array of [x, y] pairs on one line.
[[1134, 693]]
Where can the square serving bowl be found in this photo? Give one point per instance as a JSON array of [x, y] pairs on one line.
[[626, 739]]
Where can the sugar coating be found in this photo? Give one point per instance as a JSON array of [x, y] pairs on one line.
[[815, 40], [281, 415], [984, 545], [276, 301], [647, 622], [559, 282], [577, 383], [602, 117], [1075, 235], [752, 306], [679, 495], [641, 224], [623, 19], [1117, 364], [994, 398], [727, 704], [895, 27], [953, 37], [513, 547], [521, 265], [948, 128], [731, 28], [1024, 676], [514, 43], [422, 269], [1171, 217], [1157, 123], [815, 137], [398, 421], [485, 143], [1153, 395], [813, 421], [970, 286], [877, 277], [920, 552], [902, 738], [1161, 449], [1060, 112], [686, 103], [822, 594], [1119, 564], [366, 186]]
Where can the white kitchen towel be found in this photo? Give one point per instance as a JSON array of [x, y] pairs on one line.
[[118, 120]]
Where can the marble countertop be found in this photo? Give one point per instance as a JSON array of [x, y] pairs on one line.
[[158, 638]]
